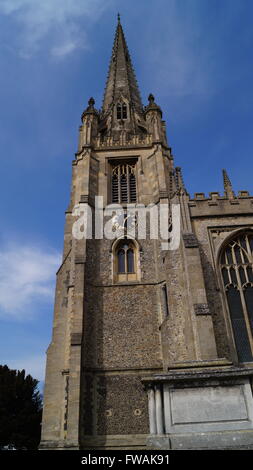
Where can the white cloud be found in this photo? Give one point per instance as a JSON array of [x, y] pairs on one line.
[[64, 49], [56, 20], [27, 279]]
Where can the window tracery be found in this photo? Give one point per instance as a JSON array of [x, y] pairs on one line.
[[125, 255], [125, 258], [236, 264]]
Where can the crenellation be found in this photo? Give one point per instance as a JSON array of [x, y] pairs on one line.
[[199, 196], [214, 195], [244, 194], [217, 205]]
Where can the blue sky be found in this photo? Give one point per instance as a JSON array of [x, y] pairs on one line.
[[195, 56]]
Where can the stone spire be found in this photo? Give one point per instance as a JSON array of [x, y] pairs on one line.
[[121, 81], [228, 189]]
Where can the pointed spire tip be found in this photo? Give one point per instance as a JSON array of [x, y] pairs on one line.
[[228, 188], [226, 179], [121, 78]]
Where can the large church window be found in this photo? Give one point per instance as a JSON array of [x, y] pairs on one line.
[[124, 182], [236, 264]]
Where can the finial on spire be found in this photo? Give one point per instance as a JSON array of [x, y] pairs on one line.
[[118, 18], [151, 98], [91, 102], [152, 106], [228, 189], [90, 108]]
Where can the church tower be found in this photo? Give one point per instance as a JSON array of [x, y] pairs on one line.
[[153, 331]]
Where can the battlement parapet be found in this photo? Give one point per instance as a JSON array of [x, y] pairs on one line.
[[216, 204]]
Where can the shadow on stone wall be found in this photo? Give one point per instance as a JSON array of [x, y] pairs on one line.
[[213, 294], [93, 322]]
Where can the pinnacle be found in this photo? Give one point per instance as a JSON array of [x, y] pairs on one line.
[[228, 188], [226, 180]]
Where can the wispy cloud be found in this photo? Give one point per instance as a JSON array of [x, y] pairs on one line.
[[64, 49], [27, 278], [56, 22]]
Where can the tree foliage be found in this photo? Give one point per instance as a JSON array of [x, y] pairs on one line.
[[20, 409]]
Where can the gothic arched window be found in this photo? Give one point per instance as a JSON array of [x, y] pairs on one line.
[[236, 264], [121, 111], [123, 182], [125, 255]]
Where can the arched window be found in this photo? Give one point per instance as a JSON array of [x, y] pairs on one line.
[[236, 264], [121, 111], [125, 255], [121, 261], [130, 260], [124, 111]]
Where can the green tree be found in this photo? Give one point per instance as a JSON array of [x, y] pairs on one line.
[[20, 409]]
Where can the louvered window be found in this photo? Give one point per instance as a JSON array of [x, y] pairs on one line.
[[236, 264], [124, 182]]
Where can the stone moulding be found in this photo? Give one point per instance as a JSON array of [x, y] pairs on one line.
[[201, 309], [79, 259], [190, 240], [76, 339], [200, 370], [205, 408]]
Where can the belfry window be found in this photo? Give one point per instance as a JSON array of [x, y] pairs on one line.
[[121, 111], [124, 182], [236, 264]]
